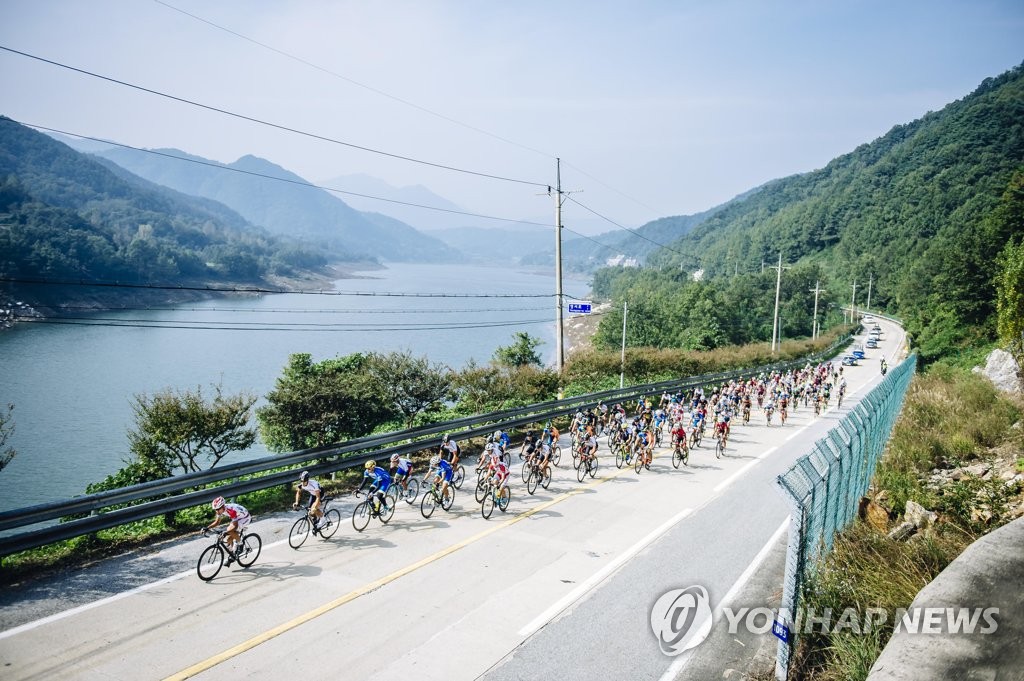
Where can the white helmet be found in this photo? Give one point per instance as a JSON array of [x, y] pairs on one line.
[[497, 435], [436, 459]]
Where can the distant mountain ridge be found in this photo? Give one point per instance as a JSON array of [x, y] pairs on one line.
[[252, 186]]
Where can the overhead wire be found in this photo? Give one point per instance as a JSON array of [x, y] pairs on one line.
[[631, 231], [277, 126], [276, 178]]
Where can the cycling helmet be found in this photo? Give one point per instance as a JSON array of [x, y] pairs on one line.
[[370, 465], [395, 458], [304, 476], [218, 503], [497, 435], [444, 439], [435, 460]]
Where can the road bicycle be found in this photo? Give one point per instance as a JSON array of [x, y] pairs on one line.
[[621, 454], [211, 560], [328, 525], [783, 414], [696, 436], [492, 497], [588, 465], [433, 497], [537, 475], [407, 492], [722, 437], [366, 509], [642, 456], [680, 452]]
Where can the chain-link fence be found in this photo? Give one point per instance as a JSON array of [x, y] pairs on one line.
[[824, 488]]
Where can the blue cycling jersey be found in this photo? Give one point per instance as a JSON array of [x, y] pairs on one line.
[[381, 478], [444, 469]]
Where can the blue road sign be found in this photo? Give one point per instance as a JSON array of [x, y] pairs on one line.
[[579, 308], [780, 630]]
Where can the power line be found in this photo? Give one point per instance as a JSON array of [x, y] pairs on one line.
[[354, 82], [301, 183], [277, 126], [235, 289], [631, 231]]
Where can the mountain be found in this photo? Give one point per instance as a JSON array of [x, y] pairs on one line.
[[420, 218], [921, 213], [254, 188], [67, 215], [507, 245]]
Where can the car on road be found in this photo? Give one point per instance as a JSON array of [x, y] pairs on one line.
[[871, 343], [857, 352], [850, 361]]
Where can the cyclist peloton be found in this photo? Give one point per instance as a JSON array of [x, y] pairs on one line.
[[316, 494], [238, 519]]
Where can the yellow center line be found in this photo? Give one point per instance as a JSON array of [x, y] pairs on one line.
[[242, 647]]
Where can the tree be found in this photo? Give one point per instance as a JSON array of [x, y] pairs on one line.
[[411, 385], [6, 430], [1010, 300], [522, 352], [315, 404], [179, 431]]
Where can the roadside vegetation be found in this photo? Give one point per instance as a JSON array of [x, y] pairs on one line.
[[955, 451]]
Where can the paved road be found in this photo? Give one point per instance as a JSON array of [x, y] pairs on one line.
[[561, 586]]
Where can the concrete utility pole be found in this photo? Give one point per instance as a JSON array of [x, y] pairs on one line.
[[871, 278], [622, 371], [853, 304], [775, 317], [814, 325], [559, 330]]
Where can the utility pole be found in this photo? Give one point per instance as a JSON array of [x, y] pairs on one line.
[[622, 371], [853, 304], [559, 330], [814, 325], [775, 317], [871, 278]]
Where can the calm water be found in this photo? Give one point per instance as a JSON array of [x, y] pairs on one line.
[[72, 385]]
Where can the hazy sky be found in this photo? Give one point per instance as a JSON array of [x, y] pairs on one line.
[[656, 108]]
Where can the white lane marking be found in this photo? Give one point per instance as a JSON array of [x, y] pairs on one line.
[[600, 575], [765, 453], [673, 671], [728, 481], [28, 626], [793, 435]]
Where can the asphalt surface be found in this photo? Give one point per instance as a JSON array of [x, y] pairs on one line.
[[559, 587]]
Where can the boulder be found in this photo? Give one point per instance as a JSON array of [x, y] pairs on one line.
[[921, 517], [1002, 370], [902, 531]]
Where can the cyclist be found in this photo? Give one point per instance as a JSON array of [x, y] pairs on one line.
[[645, 438], [530, 442], [550, 437], [380, 482], [589, 446], [502, 438], [316, 494], [238, 519], [401, 470], [722, 426], [450, 448], [678, 434], [499, 472], [444, 473]]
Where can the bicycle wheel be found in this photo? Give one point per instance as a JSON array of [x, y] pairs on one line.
[[686, 456], [299, 532], [210, 562], [329, 523], [506, 458], [388, 510], [581, 471], [677, 457], [556, 455], [592, 465], [429, 503], [576, 458], [487, 506], [527, 467], [361, 516], [447, 499], [506, 496], [719, 449], [412, 491], [532, 480], [482, 488], [249, 550], [459, 477], [620, 456], [546, 480], [638, 462], [393, 494]]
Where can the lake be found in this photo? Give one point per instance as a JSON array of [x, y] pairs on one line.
[[72, 385]]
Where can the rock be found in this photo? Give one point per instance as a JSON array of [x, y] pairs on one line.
[[1002, 370], [902, 531], [921, 517], [882, 499], [957, 474], [875, 515], [978, 470]]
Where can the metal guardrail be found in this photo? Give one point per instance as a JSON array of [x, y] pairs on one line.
[[192, 489]]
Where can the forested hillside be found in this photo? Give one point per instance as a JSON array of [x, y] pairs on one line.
[[923, 212], [292, 207], [64, 215]]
